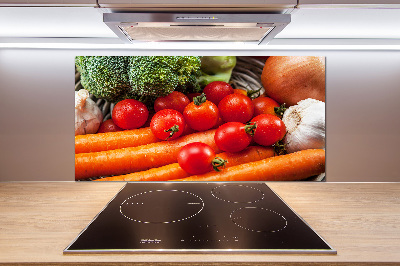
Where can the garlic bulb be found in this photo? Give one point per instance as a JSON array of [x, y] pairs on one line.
[[88, 115], [305, 125]]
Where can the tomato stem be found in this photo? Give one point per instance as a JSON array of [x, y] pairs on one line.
[[280, 147], [280, 110], [173, 130], [218, 162], [254, 93], [198, 100], [250, 128]]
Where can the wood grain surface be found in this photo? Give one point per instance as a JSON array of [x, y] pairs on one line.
[[360, 220]]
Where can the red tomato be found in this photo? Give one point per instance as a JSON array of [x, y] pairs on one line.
[[236, 108], [270, 129], [130, 114], [188, 130], [147, 123], [192, 95], [217, 90], [219, 123], [240, 91], [108, 126], [167, 124], [201, 114], [233, 136], [196, 158], [264, 105], [175, 100]]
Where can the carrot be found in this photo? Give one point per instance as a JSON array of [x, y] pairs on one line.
[[174, 171], [133, 159], [113, 140], [117, 140], [289, 167]]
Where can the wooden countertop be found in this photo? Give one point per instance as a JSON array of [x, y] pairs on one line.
[[360, 220]]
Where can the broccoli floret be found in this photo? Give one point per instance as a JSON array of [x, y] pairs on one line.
[[216, 68], [80, 63], [161, 75], [105, 76], [115, 78]]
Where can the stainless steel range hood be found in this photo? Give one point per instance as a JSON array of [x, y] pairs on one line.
[[257, 28]]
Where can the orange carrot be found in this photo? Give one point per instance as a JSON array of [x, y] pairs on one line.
[[133, 159], [117, 140], [174, 171], [289, 167], [113, 140]]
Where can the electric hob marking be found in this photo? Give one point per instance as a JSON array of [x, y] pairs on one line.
[[160, 190], [230, 201], [234, 219], [211, 240]]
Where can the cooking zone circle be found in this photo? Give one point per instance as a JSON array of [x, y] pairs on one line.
[[257, 219], [150, 206], [237, 194]]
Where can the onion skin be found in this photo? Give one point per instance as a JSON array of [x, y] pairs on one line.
[[290, 79]]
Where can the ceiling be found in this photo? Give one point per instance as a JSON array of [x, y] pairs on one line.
[[86, 22]]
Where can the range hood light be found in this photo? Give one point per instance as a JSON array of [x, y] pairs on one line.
[[156, 27]]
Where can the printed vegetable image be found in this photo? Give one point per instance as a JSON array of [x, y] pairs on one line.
[[201, 114], [167, 124], [174, 171], [199, 118], [175, 100], [269, 129], [105, 77], [87, 114], [290, 167], [108, 126], [290, 79], [130, 114], [133, 159], [118, 140], [144, 78], [216, 68], [240, 91], [160, 75], [219, 123], [217, 90], [199, 158], [305, 124], [114, 140], [234, 136], [147, 123], [236, 108], [192, 95], [266, 105]]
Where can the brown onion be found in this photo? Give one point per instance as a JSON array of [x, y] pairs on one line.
[[290, 79]]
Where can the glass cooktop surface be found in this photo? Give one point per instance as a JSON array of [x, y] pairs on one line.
[[198, 217]]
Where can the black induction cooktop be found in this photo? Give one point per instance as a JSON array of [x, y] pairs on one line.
[[198, 217]]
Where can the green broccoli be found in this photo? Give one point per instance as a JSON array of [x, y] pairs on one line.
[[161, 75], [216, 68], [105, 77], [143, 78]]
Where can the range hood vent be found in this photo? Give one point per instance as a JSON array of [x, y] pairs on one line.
[[155, 27]]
